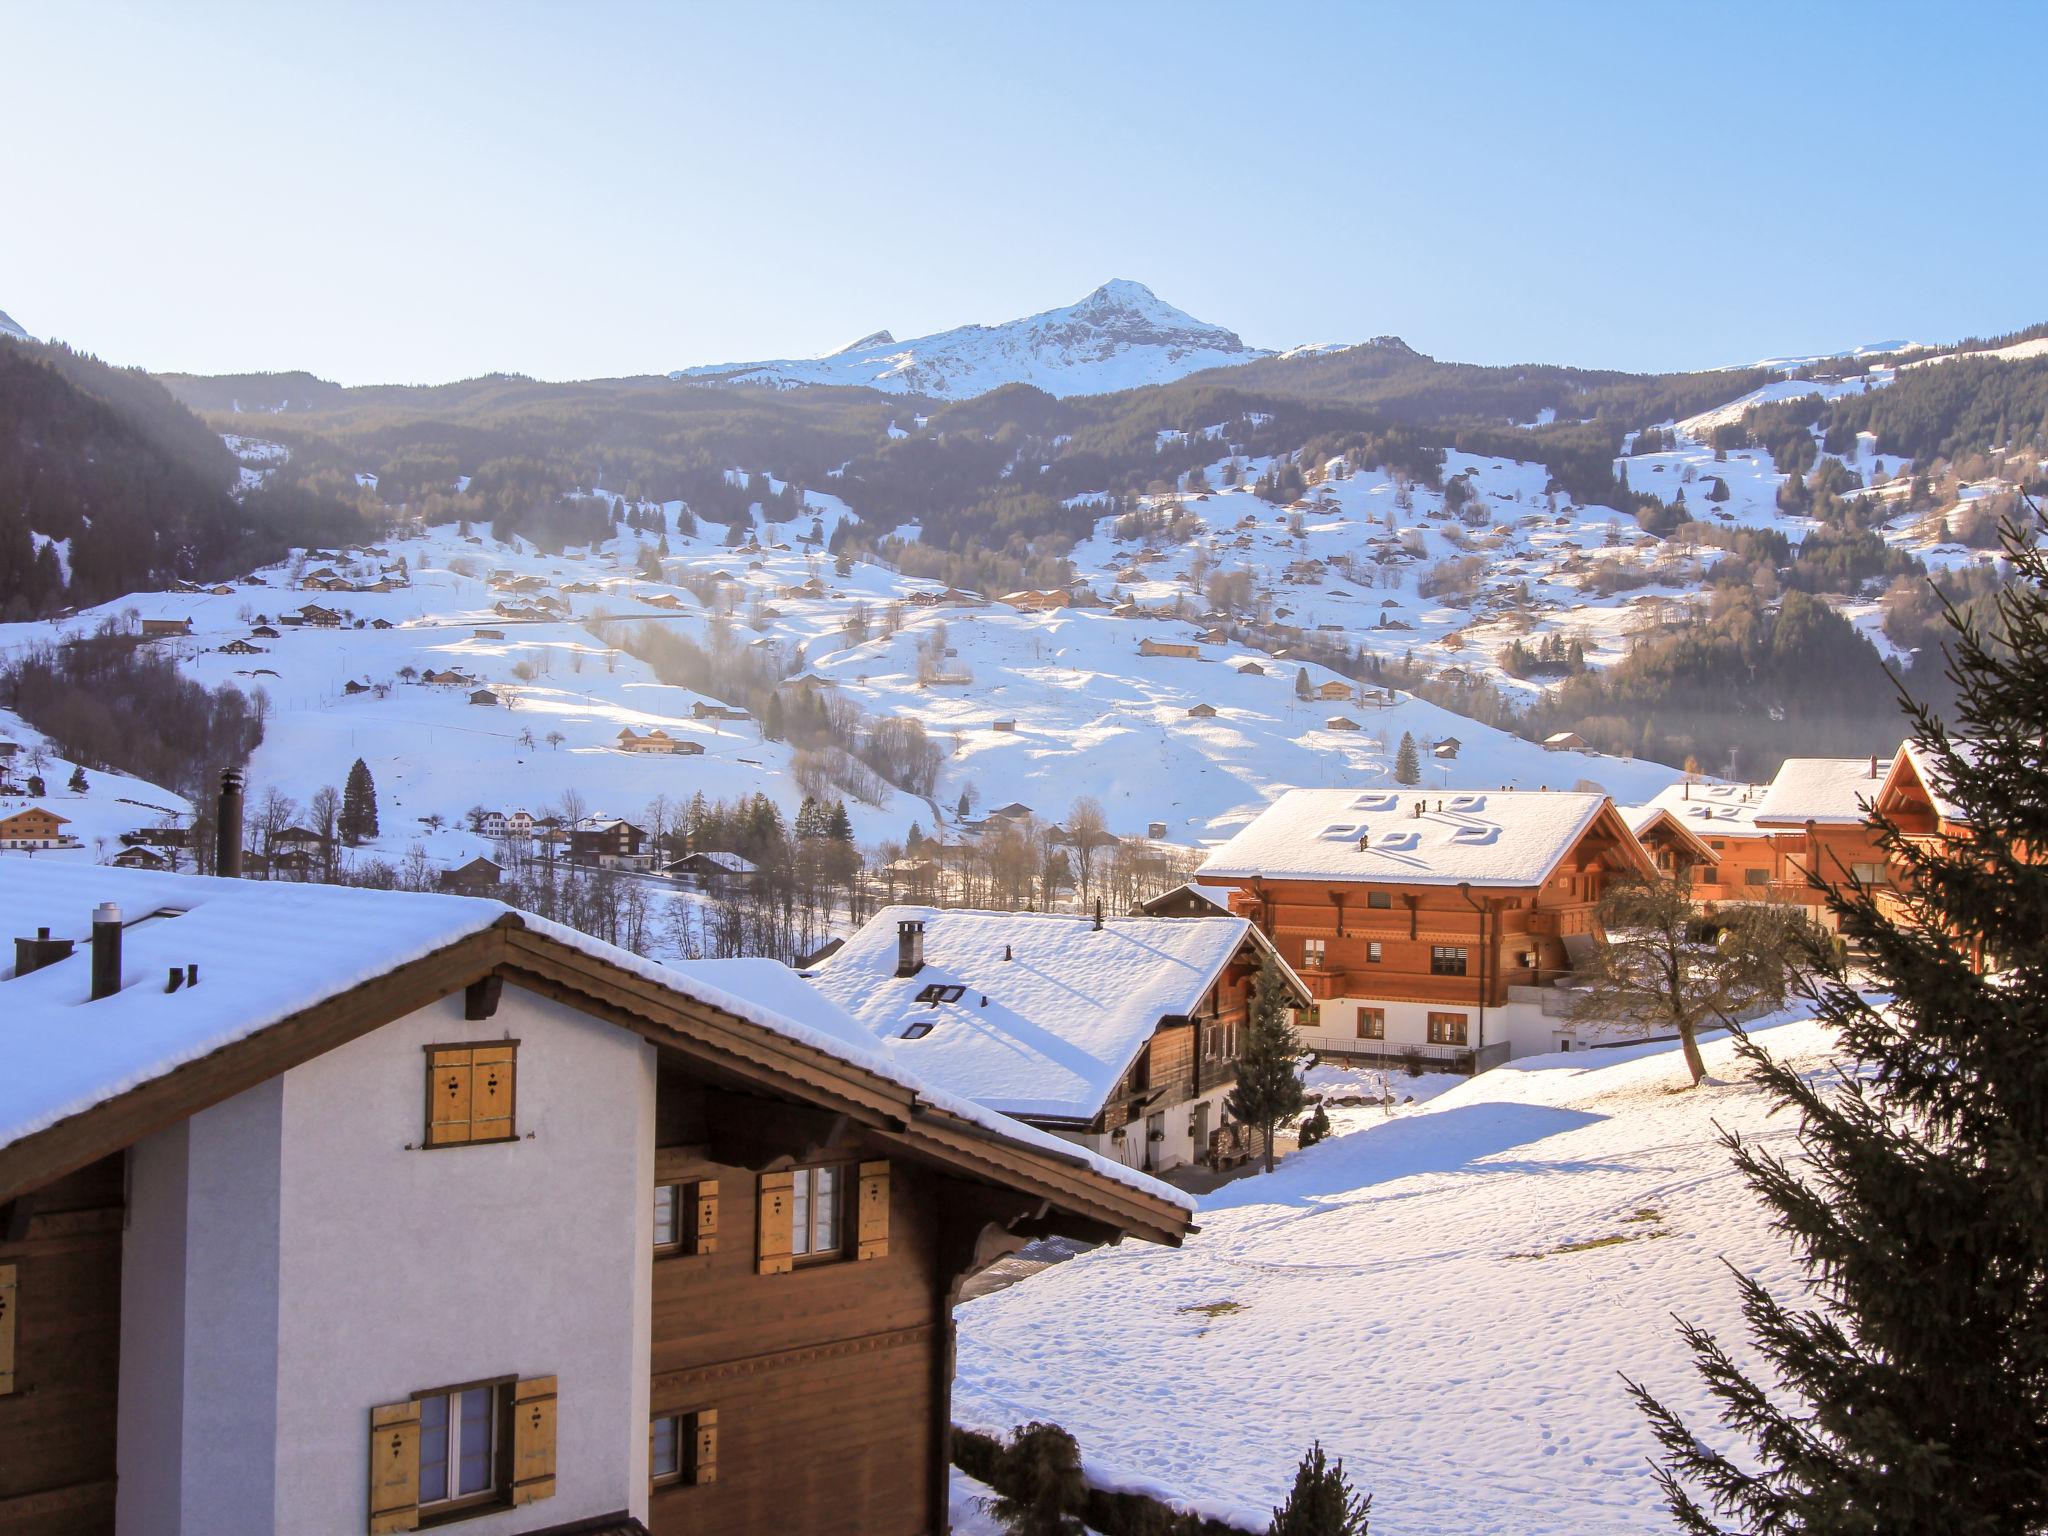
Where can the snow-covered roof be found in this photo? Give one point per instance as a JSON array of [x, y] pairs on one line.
[[1827, 790], [1712, 810], [1914, 756], [1045, 1032], [1495, 837], [266, 951]]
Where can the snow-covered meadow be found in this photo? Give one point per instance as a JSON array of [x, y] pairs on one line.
[[1448, 1299]]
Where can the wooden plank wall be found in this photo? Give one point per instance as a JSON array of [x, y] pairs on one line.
[[825, 1379], [57, 1426]]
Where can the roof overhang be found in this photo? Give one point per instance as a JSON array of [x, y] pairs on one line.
[[672, 1020]]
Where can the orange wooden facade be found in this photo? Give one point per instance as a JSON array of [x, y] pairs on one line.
[[1431, 943]]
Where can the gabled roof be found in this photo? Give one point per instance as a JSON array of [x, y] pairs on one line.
[[287, 973], [1495, 838], [1829, 791], [1064, 1015], [1913, 768], [1645, 819], [1713, 810]]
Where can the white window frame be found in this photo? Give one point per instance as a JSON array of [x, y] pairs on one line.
[[492, 1492], [678, 1424], [813, 1216], [668, 1203]]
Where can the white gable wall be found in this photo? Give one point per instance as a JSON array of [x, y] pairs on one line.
[[296, 1248]]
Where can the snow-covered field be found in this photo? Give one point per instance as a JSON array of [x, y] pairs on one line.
[[1448, 1299]]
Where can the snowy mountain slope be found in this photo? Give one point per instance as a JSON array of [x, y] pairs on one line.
[[1119, 337], [1086, 713], [12, 327], [1446, 1299]]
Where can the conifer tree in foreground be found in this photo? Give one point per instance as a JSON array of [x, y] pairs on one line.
[[1321, 1502], [1039, 1472], [1268, 1090], [358, 805], [1910, 1392]]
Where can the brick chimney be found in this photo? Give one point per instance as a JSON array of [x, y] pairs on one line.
[[909, 947]]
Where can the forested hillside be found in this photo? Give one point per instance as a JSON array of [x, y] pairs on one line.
[[109, 485]]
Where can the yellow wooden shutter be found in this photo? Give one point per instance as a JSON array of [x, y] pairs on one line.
[[492, 1075], [448, 1097], [777, 1205], [533, 1440], [707, 1216], [704, 1446], [395, 1468], [873, 1230], [10, 1299]]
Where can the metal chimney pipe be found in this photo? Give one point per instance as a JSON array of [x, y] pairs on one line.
[[227, 826], [106, 950]]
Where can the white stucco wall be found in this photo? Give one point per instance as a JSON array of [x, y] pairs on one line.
[[369, 1269], [1179, 1146], [149, 1431]]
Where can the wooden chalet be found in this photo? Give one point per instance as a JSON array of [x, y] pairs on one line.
[[1817, 812], [1334, 689], [35, 827], [1118, 1034], [162, 629], [1431, 925], [1746, 864], [389, 1211], [1150, 647], [479, 875], [611, 843]]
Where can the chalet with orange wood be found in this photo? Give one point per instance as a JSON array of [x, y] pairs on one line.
[[1817, 812], [1431, 925], [1746, 864]]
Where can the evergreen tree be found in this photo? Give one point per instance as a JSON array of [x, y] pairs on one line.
[[1268, 1089], [1407, 763], [358, 805], [1039, 1480], [839, 826], [1909, 1393], [1301, 687], [1321, 1502], [78, 782]]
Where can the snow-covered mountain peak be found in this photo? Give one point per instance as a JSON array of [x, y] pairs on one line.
[[872, 339], [9, 327], [1121, 336]]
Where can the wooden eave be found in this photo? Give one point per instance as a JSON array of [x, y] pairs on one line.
[[670, 1020]]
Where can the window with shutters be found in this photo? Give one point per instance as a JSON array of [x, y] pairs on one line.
[[452, 1452], [821, 1214], [472, 1093], [685, 1217], [682, 1449]]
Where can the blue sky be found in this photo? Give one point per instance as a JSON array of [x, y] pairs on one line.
[[420, 192]]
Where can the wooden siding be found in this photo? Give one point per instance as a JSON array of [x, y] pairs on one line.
[[57, 1426], [831, 1379]]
